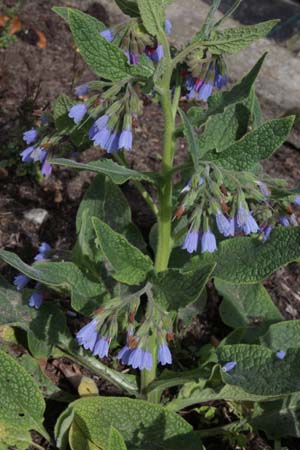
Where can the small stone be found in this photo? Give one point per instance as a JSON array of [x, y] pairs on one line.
[[37, 215]]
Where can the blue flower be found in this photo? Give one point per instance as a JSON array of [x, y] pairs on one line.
[[93, 131], [281, 354], [136, 358], [26, 154], [21, 281], [46, 169], [81, 90], [77, 112], [242, 216], [205, 91], [229, 366], [220, 80], [112, 145], [208, 242], [107, 34], [101, 347], [133, 58], [158, 54], [191, 241], [264, 189], [284, 221], [267, 231], [102, 137], [223, 224], [124, 354], [30, 136], [164, 355], [101, 122], [36, 299], [147, 360], [250, 226], [293, 220], [44, 249], [168, 26], [88, 335], [125, 140], [297, 200], [232, 226]]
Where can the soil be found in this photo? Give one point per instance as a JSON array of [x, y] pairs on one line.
[[25, 71]]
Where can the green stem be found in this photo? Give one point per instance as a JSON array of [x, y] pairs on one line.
[[277, 444], [165, 198]]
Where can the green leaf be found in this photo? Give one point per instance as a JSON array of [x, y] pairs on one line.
[[223, 129], [115, 440], [247, 306], [79, 440], [192, 139], [245, 260], [61, 106], [254, 146], [209, 21], [14, 308], [189, 286], [218, 102], [143, 425], [21, 403], [258, 370], [130, 265], [153, 15], [89, 20], [46, 331], [118, 174], [232, 40], [129, 7], [105, 59], [282, 336], [85, 294], [279, 419]]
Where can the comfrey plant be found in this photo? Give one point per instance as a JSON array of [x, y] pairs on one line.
[[220, 218]]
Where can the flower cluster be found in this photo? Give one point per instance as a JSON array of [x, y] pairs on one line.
[[35, 152], [97, 335], [21, 281], [216, 210], [213, 75]]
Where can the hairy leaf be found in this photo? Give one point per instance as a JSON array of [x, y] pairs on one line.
[[91, 21], [118, 174], [143, 425], [21, 403], [116, 441], [247, 306], [245, 260], [85, 294], [232, 40], [130, 265], [255, 146], [153, 15], [192, 140], [189, 286], [258, 370], [129, 7], [282, 336]]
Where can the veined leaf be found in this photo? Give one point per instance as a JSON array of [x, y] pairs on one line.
[[232, 40], [63, 12], [104, 58], [21, 404], [255, 146], [192, 139], [142, 425], [153, 15], [245, 260], [189, 286], [85, 294], [258, 370], [130, 265], [282, 336], [118, 174], [115, 440], [129, 7]]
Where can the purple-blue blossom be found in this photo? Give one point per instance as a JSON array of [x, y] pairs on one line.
[[81, 90], [164, 355], [208, 242], [133, 58], [191, 241], [42, 254], [284, 221], [20, 281], [223, 224], [124, 354], [140, 359], [266, 232], [297, 200], [88, 335], [77, 112], [168, 26], [229, 366], [250, 226], [281, 354], [108, 34], [125, 140], [157, 54], [36, 298], [46, 169], [205, 91], [30, 136], [293, 220], [101, 347], [264, 189], [31, 154]]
